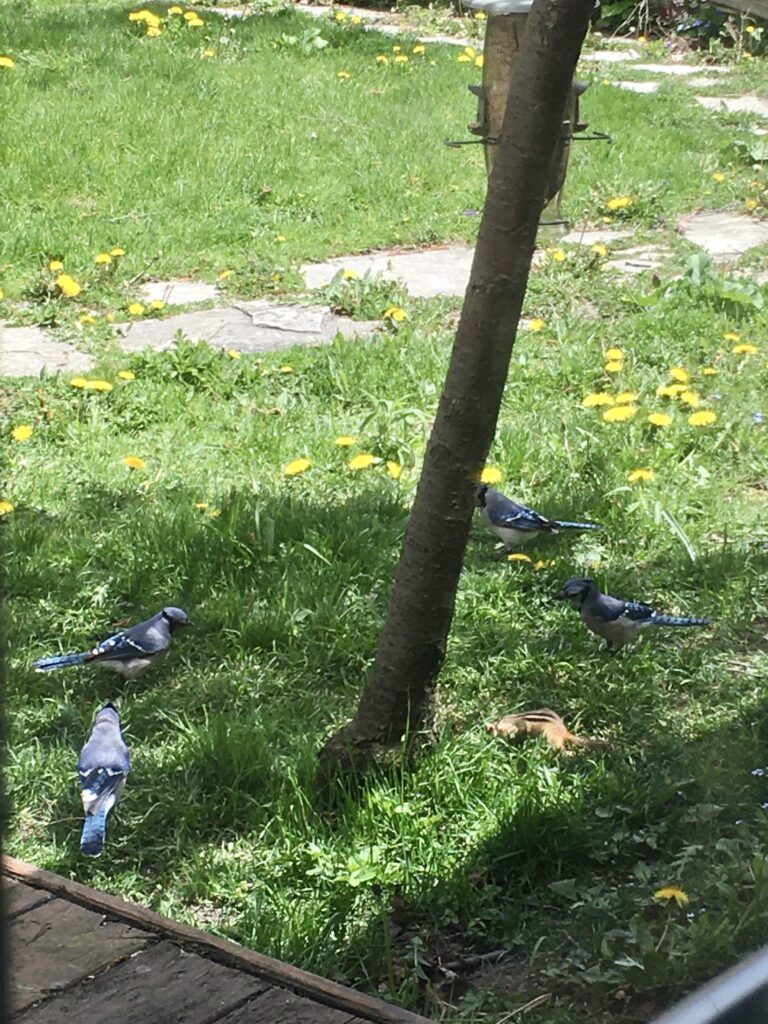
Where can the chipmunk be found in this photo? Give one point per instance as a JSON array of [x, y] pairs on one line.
[[544, 723]]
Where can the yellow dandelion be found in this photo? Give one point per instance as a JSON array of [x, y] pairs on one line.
[[671, 390], [356, 19], [419, 49], [214, 513], [79, 382], [638, 476], [490, 475], [134, 462], [691, 398], [599, 249], [5, 508], [195, 22], [597, 398], [709, 371], [401, 58], [619, 413], [619, 202], [103, 259], [660, 419], [126, 375], [731, 336], [343, 74], [362, 461], [189, 15], [117, 252], [157, 304], [234, 354], [680, 374], [136, 309], [394, 469], [518, 556], [470, 51], [559, 256], [340, 16], [751, 204], [395, 313], [625, 397], [464, 58], [703, 418], [382, 58], [68, 286], [2, 294], [745, 350], [280, 238], [109, 317], [296, 467], [55, 265], [536, 325], [614, 353], [480, 61], [750, 29], [718, 176], [614, 366], [202, 505], [345, 441], [672, 892], [175, 9], [7, 62], [350, 275], [97, 385], [22, 433], [87, 318], [285, 369], [396, 48], [225, 274]]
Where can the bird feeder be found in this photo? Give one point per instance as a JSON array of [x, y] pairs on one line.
[[505, 25]]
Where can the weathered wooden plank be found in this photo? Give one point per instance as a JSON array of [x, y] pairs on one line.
[[59, 943], [160, 985], [280, 1007], [229, 953], [20, 898]]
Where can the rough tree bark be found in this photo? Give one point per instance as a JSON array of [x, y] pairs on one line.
[[401, 683]]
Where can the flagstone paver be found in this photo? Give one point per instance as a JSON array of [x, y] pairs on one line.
[[611, 56], [641, 87], [591, 236], [178, 293], [248, 327], [637, 259], [749, 104], [27, 351], [681, 69], [430, 272], [723, 234]]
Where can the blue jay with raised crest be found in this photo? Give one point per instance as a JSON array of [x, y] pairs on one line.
[[618, 622], [515, 524], [129, 652], [103, 767]]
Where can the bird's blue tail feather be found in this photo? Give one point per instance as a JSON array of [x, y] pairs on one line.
[[94, 833], [678, 620], [564, 524], [60, 661]]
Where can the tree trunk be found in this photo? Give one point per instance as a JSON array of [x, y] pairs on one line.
[[402, 681]]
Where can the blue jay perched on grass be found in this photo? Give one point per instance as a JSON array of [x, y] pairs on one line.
[[129, 652], [103, 766], [516, 524], [618, 622]]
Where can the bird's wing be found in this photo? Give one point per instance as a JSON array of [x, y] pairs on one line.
[[121, 646], [510, 515], [607, 608], [637, 611], [101, 788]]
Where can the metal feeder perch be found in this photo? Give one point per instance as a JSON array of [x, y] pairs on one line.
[[503, 34]]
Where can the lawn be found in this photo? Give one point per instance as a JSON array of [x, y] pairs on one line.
[[476, 846]]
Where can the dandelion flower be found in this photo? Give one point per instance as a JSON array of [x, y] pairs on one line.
[[350, 275], [614, 366], [709, 371], [559, 256], [2, 294], [625, 397], [343, 74], [518, 556], [79, 382], [134, 462], [614, 353], [296, 467], [619, 203], [597, 398], [68, 286], [126, 375], [751, 204], [214, 513], [731, 336], [692, 398], [345, 441], [394, 469], [285, 369], [419, 49], [536, 325], [175, 9], [671, 390], [395, 313], [157, 304], [5, 508], [470, 51], [22, 433], [189, 15], [680, 374], [490, 475], [234, 354], [640, 476], [660, 419], [672, 892], [362, 461], [7, 62], [396, 48], [356, 19], [87, 318], [103, 259], [340, 16], [463, 58], [619, 413], [225, 274], [599, 249], [202, 505], [55, 265], [745, 350], [401, 58], [117, 252], [195, 22], [703, 418], [718, 176], [382, 58], [97, 385], [136, 309]]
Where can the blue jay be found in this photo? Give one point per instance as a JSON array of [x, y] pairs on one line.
[[129, 652], [516, 524], [103, 766], [618, 622]]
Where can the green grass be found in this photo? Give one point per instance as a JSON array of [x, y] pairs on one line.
[[476, 845]]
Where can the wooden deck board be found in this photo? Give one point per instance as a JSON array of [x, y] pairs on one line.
[[159, 985], [58, 943], [86, 956]]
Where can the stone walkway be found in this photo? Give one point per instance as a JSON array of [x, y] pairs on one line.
[[440, 270]]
